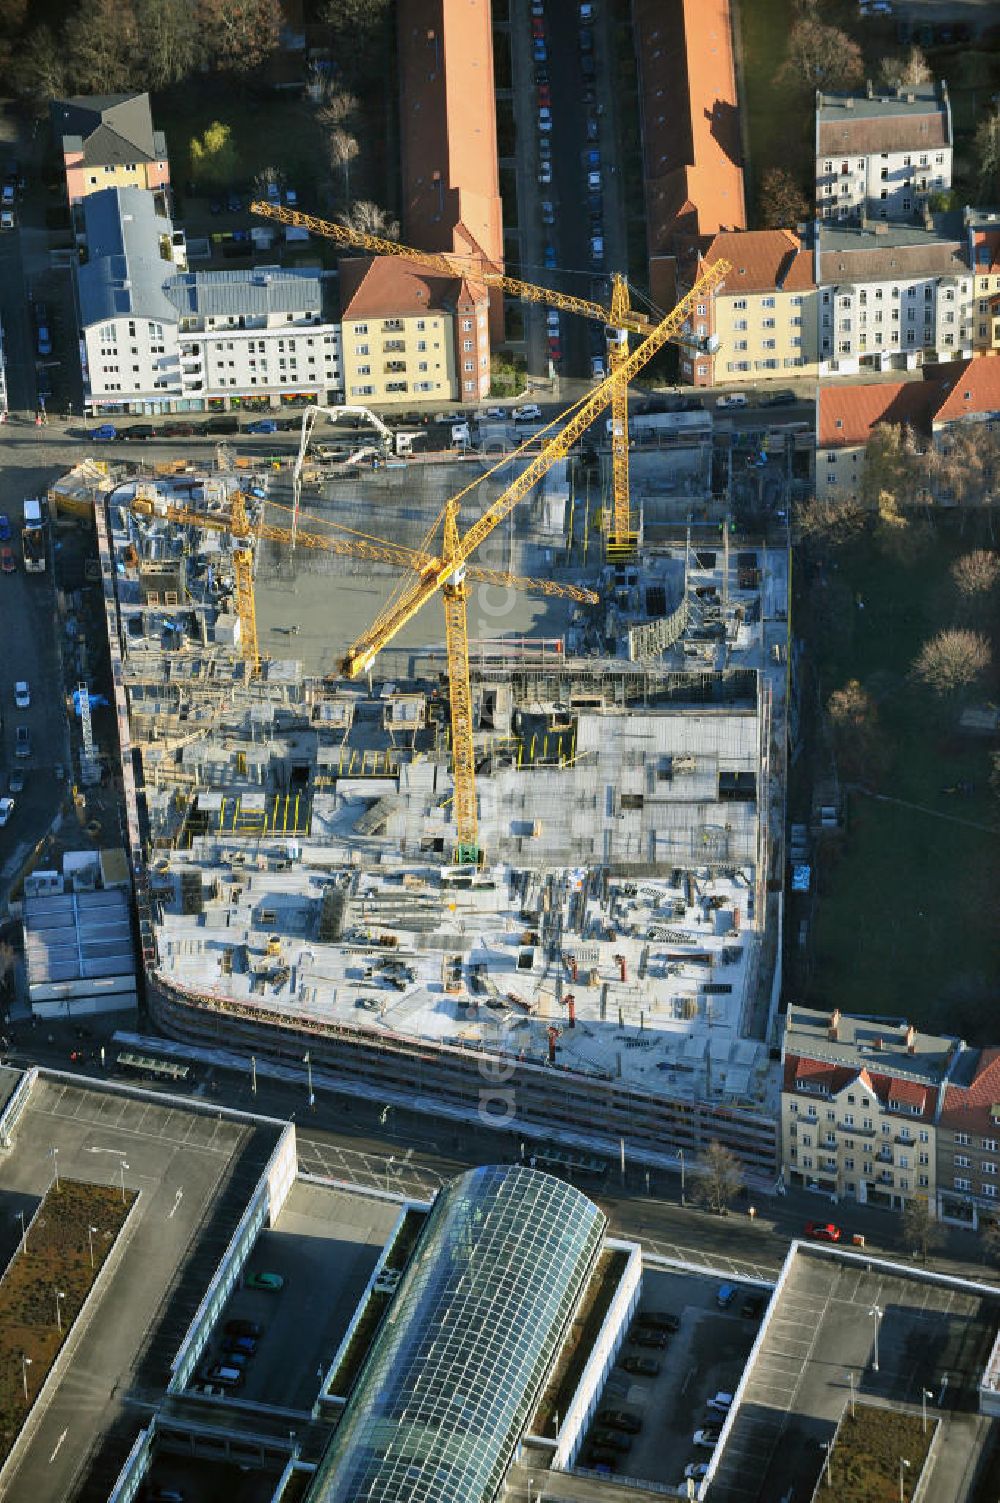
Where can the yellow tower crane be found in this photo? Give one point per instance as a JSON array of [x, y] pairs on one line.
[[621, 319], [355, 545], [448, 573]]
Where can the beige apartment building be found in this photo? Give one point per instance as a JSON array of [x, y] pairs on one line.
[[409, 334], [984, 258], [764, 315], [859, 1105]]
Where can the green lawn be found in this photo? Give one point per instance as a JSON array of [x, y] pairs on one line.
[[778, 137], [905, 920]]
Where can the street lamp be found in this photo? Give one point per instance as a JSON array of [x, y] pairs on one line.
[[55, 1165], [25, 1364], [124, 1167], [307, 1061], [680, 1155], [253, 1073], [24, 1231], [827, 1446], [876, 1314], [925, 1394], [850, 1378], [904, 1467], [384, 1115], [60, 1296], [90, 1235]]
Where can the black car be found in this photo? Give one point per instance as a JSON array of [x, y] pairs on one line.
[[139, 433], [243, 1328], [658, 1320], [753, 1308], [222, 425], [779, 399], [178, 430]]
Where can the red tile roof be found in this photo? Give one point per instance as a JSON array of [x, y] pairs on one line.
[[834, 1078], [762, 260], [974, 390], [690, 121], [846, 415], [385, 287], [986, 251], [450, 167], [970, 1108]]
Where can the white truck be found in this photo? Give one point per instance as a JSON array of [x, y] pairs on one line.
[[33, 537]]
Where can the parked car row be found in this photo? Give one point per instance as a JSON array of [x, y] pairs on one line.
[[106, 433]]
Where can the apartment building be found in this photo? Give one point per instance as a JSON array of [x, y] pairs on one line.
[[859, 1106], [892, 297], [109, 142], [158, 338], [846, 413], [968, 1140], [983, 229], [449, 157], [411, 334], [764, 315], [881, 154]]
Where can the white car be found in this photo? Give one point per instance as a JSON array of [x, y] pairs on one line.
[[696, 1470], [544, 174], [6, 809], [733, 399], [460, 434], [544, 118], [22, 694], [708, 1438], [552, 321], [529, 413], [597, 372], [593, 181], [721, 1403]]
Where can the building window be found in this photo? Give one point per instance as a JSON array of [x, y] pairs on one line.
[[962, 1184], [989, 1168], [990, 1191], [962, 1138], [922, 1181], [924, 1135], [848, 1164], [961, 1161]]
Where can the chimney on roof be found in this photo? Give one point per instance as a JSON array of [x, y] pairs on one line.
[[878, 1043], [871, 89], [832, 1031], [911, 1040]]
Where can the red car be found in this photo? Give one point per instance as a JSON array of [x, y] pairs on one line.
[[7, 561], [823, 1231], [544, 97], [555, 350], [537, 27]]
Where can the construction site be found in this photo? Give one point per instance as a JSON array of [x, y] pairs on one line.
[[521, 857]]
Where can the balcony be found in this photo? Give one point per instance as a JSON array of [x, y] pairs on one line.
[[395, 368], [392, 326], [884, 1156], [394, 346]]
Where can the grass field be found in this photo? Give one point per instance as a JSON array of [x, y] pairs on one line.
[[777, 138], [905, 920]]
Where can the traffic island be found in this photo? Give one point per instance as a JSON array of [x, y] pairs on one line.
[[877, 1456], [45, 1286]]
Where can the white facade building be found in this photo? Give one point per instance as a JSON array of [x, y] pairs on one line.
[[879, 156], [892, 298], [158, 338]]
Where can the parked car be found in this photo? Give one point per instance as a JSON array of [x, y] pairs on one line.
[[6, 809], [537, 26], [8, 194], [548, 211], [696, 1470], [661, 1320], [538, 51], [210, 1390], [22, 694], [732, 399], [549, 258], [544, 96], [544, 174], [262, 425], [708, 1437], [725, 1295], [593, 128], [645, 1337], [721, 1402], [291, 198], [597, 367], [593, 183], [544, 149], [555, 348], [620, 1419], [8, 563], [4, 527], [243, 1328], [587, 66], [22, 742], [43, 338], [544, 119], [138, 433], [552, 321], [823, 1231], [178, 430], [222, 425], [778, 399], [528, 412], [234, 203], [597, 249], [104, 433], [642, 1367], [586, 39], [754, 1307], [8, 219], [613, 1439], [272, 1282], [225, 1375]]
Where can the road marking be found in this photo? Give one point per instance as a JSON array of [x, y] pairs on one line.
[[58, 1447], [119, 1151], [173, 1209]]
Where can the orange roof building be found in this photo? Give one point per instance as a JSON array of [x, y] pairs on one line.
[[690, 126], [451, 176], [409, 334]]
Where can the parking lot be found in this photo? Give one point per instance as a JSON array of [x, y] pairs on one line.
[[324, 1248], [821, 1340], [705, 1356]]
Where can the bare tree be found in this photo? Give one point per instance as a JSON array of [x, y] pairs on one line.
[[168, 40], [919, 1228], [268, 177], [861, 748], [101, 44], [904, 535], [239, 35], [822, 57], [343, 148], [889, 463], [828, 524], [952, 660], [718, 1179], [975, 575], [370, 219], [40, 68], [781, 200], [987, 154], [337, 107], [906, 71]]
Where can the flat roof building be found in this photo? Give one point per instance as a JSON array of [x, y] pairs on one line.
[[883, 153]]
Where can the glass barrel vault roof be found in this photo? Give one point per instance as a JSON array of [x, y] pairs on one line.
[[458, 1365]]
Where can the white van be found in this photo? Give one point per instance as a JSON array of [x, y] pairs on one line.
[[733, 399]]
